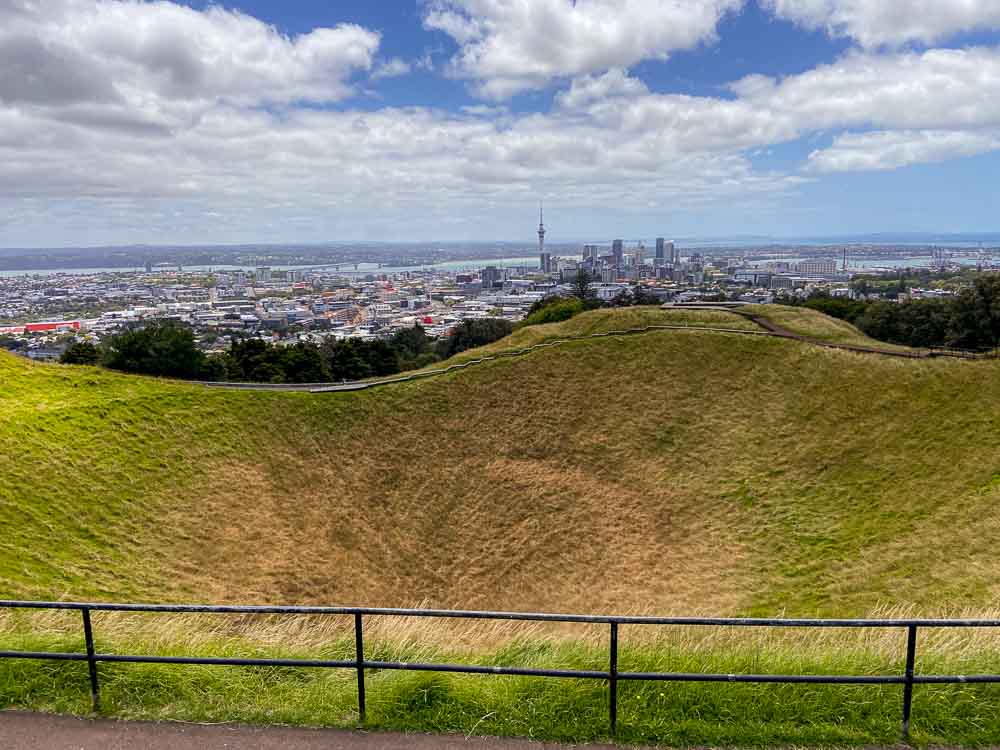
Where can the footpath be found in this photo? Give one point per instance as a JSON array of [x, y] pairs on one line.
[[29, 731]]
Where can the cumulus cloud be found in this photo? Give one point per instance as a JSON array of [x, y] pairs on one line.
[[882, 151], [941, 88], [891, 22], [589, 89], [163, 56], [114, 136], [391, 69], [509, 46]]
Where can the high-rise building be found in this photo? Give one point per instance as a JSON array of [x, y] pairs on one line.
[[618, 251], [660, 245], [817, 267], [670, 253], [545, 262], [490, 276]]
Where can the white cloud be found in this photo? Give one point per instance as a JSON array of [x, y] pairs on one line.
[[391, 69], [509, 46], [891, 22], [107, 137], [881, 151], [589, 89], [163, 62], [937, 89]]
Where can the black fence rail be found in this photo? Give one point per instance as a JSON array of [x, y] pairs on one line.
[[613, 676]]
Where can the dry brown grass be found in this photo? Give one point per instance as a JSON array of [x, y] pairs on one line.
[[670, 473], [213, 634], [534, 500]]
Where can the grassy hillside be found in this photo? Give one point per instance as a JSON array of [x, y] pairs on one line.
[[817, 326], [602, 321], [675, 472], [697, 471]]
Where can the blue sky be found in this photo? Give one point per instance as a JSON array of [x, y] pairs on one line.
[[124, 121]]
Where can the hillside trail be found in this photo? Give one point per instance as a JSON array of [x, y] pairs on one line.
[[29, 731], [767, 328]]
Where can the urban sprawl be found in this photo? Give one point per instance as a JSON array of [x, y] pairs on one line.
[[42, 314]]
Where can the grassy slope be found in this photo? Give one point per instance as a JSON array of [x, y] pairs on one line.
[[602, 321], [704, 471], [571, 710], [696, 472], [814, 324]]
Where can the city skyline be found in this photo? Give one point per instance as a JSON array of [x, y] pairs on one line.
[[448, 120]]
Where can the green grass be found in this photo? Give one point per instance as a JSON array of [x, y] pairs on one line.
[[605, 320], [706, 471], [676, 472], [817, 326], [671, 714]]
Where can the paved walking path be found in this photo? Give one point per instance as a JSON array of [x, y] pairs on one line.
[[28, 731]]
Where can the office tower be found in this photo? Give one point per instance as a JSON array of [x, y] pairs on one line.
[[618, 250], [660, 245], [490, 276]]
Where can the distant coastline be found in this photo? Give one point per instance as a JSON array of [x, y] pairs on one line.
[[865, 250]]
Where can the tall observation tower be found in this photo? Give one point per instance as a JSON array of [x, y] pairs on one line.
[[544, 258], [541, 229]]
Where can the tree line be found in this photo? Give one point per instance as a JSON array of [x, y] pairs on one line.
[[167, 348], [582, 297], [970, 320]]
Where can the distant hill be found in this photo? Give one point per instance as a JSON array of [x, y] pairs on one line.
[[675, 471]]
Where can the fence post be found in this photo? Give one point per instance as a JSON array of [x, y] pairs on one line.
[[359, 659], [911, 654], [88, 636], [613, 680]]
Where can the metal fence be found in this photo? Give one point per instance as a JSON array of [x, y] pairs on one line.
[[613, 676]]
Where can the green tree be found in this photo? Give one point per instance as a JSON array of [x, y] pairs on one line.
[[303, 363], [345, 360], [558, 310], [164, 348], [926, 323], [411, 343], [213, 369], [539, 305], [81, 353], [253, 361], [354, 359], [977, 316], [472, 333], [583, 288], [642, 296], [881, 321], [382, 357], [836, 307], [622, 299]]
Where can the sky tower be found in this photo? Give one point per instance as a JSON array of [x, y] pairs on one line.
[[544, 258], [541, 229]]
